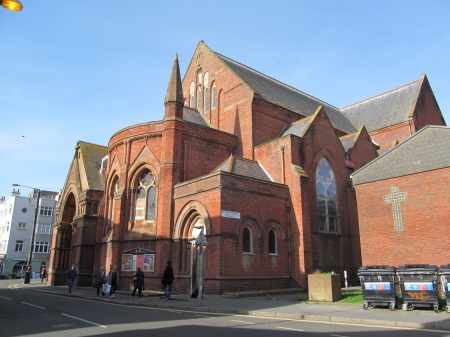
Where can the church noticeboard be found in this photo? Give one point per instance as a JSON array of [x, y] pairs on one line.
[[138, 257]]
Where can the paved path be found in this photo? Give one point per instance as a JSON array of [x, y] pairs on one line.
[[279, 305]]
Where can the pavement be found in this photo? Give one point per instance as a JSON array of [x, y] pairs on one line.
[[282, 303]]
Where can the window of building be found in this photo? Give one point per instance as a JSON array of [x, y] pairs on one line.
[[199, 99], [214, 97], [3, 246], [146, 197], [43, 228], [22, 225], [41, 247], [192, 95], [247, 240], [206, 85], [47, 211], [272, 242], [19, 246], [327, 203]]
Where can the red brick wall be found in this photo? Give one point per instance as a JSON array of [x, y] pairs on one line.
[[427, 110], [389, 137], [425, 215]]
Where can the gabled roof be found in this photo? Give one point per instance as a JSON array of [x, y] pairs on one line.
[[278, 93], [243, 167], [389, 108], [298, 128], [193, 116], [426, 150], [349, 141], [92, 155]]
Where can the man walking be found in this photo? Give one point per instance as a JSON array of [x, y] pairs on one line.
[[113, 281], [167, 281], [71, 276]]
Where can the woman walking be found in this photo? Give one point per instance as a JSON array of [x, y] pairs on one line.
[[138, 280], [100, 281]]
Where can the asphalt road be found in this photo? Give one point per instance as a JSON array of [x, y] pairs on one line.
[[26, 313]]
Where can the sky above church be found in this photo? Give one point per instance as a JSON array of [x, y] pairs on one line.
[[82, 70]]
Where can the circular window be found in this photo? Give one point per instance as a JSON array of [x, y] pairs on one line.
[[24, 210]]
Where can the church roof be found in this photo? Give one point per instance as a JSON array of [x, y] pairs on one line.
[[389, 108], [349, 141], [426, 150], [193, 116], [92, 155], [278, 93], [243, 167], [297, 128]]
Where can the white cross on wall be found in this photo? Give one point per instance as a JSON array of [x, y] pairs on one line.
[[395, 198]]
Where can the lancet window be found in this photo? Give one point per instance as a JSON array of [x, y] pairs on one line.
[[327, 202], [145, 205]]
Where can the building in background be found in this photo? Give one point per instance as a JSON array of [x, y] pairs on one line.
[[16, 223]]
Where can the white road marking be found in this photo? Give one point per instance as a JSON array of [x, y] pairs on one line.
[[6, 298], [83, 320], [281, 327], [36, 306], [233, 320], [205, 316]]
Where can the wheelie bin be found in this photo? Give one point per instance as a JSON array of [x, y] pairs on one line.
[[444, 271], [419, 286], [378, 286]]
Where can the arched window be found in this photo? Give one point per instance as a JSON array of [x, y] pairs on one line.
[[206, 85], [145, 206], [327, 203], [247, 240], [214, 97], [114, 189], [272, 242], [199, 99], [192, 95]]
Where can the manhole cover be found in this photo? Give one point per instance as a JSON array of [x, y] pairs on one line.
[[65, 325]]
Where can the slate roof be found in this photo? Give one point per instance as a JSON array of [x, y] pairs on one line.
[[243, 167], [297, 128], [348, 141], [426, 150], [92, 155], [389, 108], [193, 116], [278, 93]]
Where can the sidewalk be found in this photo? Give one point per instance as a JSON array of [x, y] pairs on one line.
[[281, 305]]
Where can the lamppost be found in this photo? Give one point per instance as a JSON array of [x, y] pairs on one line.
[[12, 5], [201, 240], [30, 254]]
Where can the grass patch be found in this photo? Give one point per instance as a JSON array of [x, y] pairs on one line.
[[352, 296]]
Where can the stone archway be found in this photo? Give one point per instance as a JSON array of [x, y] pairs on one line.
[[62, 251]]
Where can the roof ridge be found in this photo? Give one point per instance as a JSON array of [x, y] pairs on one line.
[[384, 93], [82, 141], [277, 81]]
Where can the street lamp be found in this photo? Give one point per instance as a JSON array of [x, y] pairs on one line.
[[12, 5], [30, 255], [201, 240]]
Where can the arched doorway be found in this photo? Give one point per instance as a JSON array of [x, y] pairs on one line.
[[195, 256]]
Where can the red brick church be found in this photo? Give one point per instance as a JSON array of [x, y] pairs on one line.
[[262, 167]]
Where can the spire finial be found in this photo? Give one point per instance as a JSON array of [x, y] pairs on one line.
[[174, 90]]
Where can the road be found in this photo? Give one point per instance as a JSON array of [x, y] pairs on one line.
[[26, 313]]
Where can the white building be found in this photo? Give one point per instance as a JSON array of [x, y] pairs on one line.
[[16, 223]]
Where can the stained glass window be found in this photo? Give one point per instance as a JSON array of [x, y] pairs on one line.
[[214, 97], [327, 203], [145, 203], [247, 240]]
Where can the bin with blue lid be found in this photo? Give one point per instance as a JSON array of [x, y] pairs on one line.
[[444, 271], [378, 286], [419, 286]]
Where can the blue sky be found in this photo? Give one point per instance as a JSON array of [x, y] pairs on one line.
[[82, 70]]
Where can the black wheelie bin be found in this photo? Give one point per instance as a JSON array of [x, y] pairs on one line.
[[444, 271], [378, 286], [419, 286]]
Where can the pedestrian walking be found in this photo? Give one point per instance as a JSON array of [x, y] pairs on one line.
[[138, 280], [113, 281], [43, 274], [71, 276], [167, 281], [100, 281]]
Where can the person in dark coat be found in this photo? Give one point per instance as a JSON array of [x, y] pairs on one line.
[[71, 276], [43, 274], [167, 281], [100, 281], [138, 280], [113, 281]]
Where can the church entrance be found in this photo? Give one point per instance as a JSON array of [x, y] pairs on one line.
[[196, 260]]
